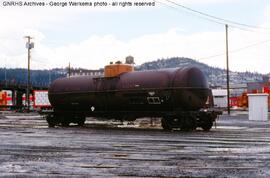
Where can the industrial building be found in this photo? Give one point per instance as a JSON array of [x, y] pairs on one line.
[[84, 72]]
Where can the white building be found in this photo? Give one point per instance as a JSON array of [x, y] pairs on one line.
[[220, 98]]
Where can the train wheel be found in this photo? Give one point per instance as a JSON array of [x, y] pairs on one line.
[[166, 124], [81, 121], [207, 124], [65, 123], [188, 123], [51, 120], [51, 125]]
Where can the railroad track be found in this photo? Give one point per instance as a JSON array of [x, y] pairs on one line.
[[234, 149]]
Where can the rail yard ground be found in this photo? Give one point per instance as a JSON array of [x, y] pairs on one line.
[[237, 147]]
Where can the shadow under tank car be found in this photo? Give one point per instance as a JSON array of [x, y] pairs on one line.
[[177, 95]]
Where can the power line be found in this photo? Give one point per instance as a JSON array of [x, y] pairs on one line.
[[208, 18], [237, 50], [202, 17], [215, 17]]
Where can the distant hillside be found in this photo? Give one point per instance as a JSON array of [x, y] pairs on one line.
[[216, 76], [38, 77]]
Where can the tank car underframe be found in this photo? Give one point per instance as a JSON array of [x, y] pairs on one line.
[[184, 120], [64, 120], [190, 120]]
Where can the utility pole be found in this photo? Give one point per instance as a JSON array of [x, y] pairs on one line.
[[29, 46], [69, 70], [50, 78], [228, 77], [5, 73]]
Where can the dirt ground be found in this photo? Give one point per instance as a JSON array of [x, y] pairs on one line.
[[237, 147]]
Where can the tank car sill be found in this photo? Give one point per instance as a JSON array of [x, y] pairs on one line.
[[110, 113]]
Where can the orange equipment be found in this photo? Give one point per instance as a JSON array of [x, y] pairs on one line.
[[242, 101], [3, 98], [116, 69]]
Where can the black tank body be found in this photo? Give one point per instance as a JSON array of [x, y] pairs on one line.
[[156, 91]]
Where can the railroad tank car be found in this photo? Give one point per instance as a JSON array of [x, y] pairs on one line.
[[176, 95]]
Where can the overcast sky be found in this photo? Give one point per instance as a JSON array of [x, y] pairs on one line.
[[91, 37]]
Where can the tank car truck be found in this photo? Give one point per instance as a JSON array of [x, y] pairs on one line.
[[177, 95]]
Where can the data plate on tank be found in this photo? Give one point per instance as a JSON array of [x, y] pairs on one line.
[[153, 100]]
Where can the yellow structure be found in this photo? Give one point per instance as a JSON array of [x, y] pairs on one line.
[[116, 69]]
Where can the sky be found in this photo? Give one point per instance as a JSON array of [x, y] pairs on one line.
[[90, 37]]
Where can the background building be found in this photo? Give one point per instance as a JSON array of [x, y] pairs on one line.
[[85, 72]]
